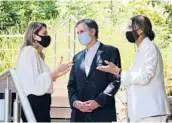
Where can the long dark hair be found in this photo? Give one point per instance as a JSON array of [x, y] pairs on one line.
[[144, 24]]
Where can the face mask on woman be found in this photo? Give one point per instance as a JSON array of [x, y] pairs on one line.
[[132, 36], [45, 41]]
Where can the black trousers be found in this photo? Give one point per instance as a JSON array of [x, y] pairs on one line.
[[40, 106]]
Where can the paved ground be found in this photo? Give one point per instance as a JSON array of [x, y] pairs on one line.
[[59, 96], [60, 106]]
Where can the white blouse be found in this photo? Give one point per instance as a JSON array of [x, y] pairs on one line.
[[33, 73], [146, 94]]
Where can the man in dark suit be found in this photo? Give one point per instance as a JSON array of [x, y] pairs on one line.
[[91, 92]]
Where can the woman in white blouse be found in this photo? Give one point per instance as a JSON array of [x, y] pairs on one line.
[[34, 75], [146, 97]]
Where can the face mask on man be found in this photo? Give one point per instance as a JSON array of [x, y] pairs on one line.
[[132, 36], [84, 38], [45, 41]]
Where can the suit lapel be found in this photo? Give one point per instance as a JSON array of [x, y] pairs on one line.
[[81, 64], [99, 54]]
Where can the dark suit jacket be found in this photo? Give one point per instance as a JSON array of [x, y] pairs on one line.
[[98, 86]]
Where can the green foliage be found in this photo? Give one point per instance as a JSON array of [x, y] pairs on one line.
[[17, 13], [168, 10], [14, 18], [77, 8]]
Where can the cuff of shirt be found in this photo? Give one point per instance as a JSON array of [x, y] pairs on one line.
[[124, 76], [74, 103], [49, 76]]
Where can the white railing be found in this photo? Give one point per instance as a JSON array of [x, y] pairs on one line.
[[9, 83], [71, 50]]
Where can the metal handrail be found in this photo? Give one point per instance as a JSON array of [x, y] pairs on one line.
[[59, 25], [71, 17], [22, 96], [12, 36], [4, 75]]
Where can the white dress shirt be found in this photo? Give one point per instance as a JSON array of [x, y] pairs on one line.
[[89, 56], [33, 73], [146, 95]]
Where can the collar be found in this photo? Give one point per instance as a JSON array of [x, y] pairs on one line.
[[142, 43], [94, 47]]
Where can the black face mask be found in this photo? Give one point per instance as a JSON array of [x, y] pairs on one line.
[[132, 36], [45, 41]]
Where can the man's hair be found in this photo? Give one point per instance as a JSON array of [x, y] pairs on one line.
[[91, 24]]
